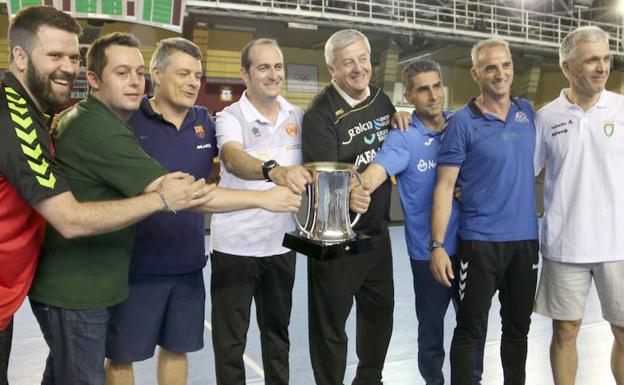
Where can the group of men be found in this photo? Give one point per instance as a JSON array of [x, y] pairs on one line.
[[492, 149], [100, 287], [100, 151]]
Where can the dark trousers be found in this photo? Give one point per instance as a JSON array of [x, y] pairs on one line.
[[510, 268], [235, 281], [332, 285], [432, 302], [76, 339], [6, 336]]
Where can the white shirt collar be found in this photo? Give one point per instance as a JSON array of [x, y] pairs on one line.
[[603, 101], [251, 114], [350, 101]]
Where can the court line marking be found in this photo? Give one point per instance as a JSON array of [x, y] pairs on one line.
[[246, 359]]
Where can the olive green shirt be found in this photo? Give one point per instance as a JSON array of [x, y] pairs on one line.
[[101, 160]]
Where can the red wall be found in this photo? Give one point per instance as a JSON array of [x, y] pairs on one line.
[[210, 95]]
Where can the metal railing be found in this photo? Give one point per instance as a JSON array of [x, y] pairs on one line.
[[450, 18]]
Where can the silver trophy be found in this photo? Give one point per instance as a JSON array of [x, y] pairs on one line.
[[327, 219]]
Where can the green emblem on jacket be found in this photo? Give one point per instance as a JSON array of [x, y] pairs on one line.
[[609, 128]]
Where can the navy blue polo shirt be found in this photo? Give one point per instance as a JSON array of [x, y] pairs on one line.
[[168, 243], [495, 158], [412, 156]]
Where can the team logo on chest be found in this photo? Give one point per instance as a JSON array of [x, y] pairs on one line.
[[609, 128], [521, 117], [369, 139], [424, 165], [507, 136], [375, 129], [291, 129], [200, 132]]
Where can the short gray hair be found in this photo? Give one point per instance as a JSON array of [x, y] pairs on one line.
[[419, 67], [167, 47], [341, 39], [567, 50], [482, 44]]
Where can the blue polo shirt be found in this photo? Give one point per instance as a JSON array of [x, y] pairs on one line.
[[411, 156], [495, 158], [168, 243]]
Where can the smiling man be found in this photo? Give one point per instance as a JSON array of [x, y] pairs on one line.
[[347, 122], [260, 142], [166, 303], [411, 156], [44, 60], [488, 150], [78, 280], [581, 142]]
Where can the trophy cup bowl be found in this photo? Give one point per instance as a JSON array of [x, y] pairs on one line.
[[327, 220]]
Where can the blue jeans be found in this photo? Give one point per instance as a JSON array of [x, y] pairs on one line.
[[76, 339], [432, 301]]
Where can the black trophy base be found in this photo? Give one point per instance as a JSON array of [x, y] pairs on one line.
[[317, 250]]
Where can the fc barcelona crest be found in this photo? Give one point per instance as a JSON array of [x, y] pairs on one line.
[[609, 128], [199, 131]]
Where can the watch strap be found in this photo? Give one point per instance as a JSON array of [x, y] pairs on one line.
[[267, 167]]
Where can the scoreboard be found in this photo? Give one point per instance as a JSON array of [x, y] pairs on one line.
[[104, 9], [167, 14]]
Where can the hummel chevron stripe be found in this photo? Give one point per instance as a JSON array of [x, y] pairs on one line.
[[24, 123], [39, 168], [49, 182], [19, 110], [28, 138], [29, 144], [20, 101], [12, 91], [33, 153]]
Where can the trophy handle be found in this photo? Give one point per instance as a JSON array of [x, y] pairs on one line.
[[301, 229], [358, 176]]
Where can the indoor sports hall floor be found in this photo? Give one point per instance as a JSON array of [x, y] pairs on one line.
[[29, 349]]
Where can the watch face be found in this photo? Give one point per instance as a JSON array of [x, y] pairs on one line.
[[267, 167], [434, 245]]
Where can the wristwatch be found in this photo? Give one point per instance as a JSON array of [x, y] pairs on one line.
[[267, 167], [434, 245]]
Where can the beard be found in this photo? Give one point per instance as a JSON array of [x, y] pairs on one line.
[[41, 88]]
